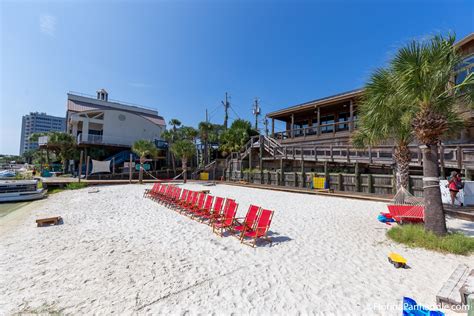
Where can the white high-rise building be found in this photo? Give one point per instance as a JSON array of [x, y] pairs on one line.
[[36, 122]]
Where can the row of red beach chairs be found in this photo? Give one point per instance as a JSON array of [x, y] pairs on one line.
[[217, 212]]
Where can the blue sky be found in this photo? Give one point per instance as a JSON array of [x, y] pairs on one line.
[[180, 57]]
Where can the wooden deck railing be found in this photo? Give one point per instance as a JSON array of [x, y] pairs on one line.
[[318, 130]]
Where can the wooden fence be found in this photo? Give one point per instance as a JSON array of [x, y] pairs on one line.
[[366, 183]]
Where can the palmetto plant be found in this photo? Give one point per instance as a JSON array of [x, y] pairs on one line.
[[184, 149], [423, 96], [64, 145], [144, 148], [236, 136], [383, 117]]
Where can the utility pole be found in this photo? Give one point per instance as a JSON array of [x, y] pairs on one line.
[[265, 123], [226, 110], [256, 112], [205, 155]]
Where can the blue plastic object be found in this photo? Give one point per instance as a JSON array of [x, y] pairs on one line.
[[382, 218], [411, 308]]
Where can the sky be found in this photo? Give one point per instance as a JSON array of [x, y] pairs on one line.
[[180, 57]]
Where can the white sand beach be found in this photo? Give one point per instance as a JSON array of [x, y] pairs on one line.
[[118, 252]]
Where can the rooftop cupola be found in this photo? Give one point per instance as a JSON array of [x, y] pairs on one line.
[[103, 95]]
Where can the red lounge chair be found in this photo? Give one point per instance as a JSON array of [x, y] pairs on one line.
[[407, 213], [194, 200], [181, 197], [168, 191], [198, 205], [207, 208], [189, 201], [216, 211], [248, 223], [174, 196], [226, 220], [155, 192], [183, 200], [147, 191], [259, 230], [160, 193]]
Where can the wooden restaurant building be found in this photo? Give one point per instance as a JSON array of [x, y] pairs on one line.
[[316, 141]]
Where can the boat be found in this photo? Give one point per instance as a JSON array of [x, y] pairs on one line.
[[7, 174], [20, 190]]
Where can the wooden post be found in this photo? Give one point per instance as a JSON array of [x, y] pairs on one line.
[[87, 166], [340, 183], [315, 153], [250, 158], [459, 157], [273, 127], [370, 155], [80, 165], [130, 169], [319, 121], [280, 180], [351, 116], [260, 156], [113, 166], [420, 156], [370, 183], [357, 178], [410, 185], [326, 171], [394, 180], [292, 126], [330, 147], [441, 160], [214, 171], [302, 169]]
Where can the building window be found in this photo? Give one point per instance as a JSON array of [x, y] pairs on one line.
[[327, 119]]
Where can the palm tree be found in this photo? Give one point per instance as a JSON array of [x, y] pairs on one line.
[[236, 136], [175, 123], [423, 86], [382, 117], [144, 148], [64, 146], [172, 137], [169, 136], [185, 149], [205, 128]]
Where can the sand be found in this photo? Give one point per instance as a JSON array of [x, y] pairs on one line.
[[120, 253]]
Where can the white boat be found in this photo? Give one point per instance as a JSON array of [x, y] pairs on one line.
[[21, 190]]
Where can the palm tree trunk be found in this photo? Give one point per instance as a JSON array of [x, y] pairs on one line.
[[402, 156], [206, 154], [185, 169], [173, 163], [140, 174], [434, 213]]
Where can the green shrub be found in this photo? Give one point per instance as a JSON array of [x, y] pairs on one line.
[[75, 185], [417, 236]]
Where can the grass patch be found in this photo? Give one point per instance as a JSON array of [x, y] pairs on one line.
[[55, 190], [417, 236], [69, 186], [75, 185]]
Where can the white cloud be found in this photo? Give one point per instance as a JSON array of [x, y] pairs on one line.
[[48, 24]]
